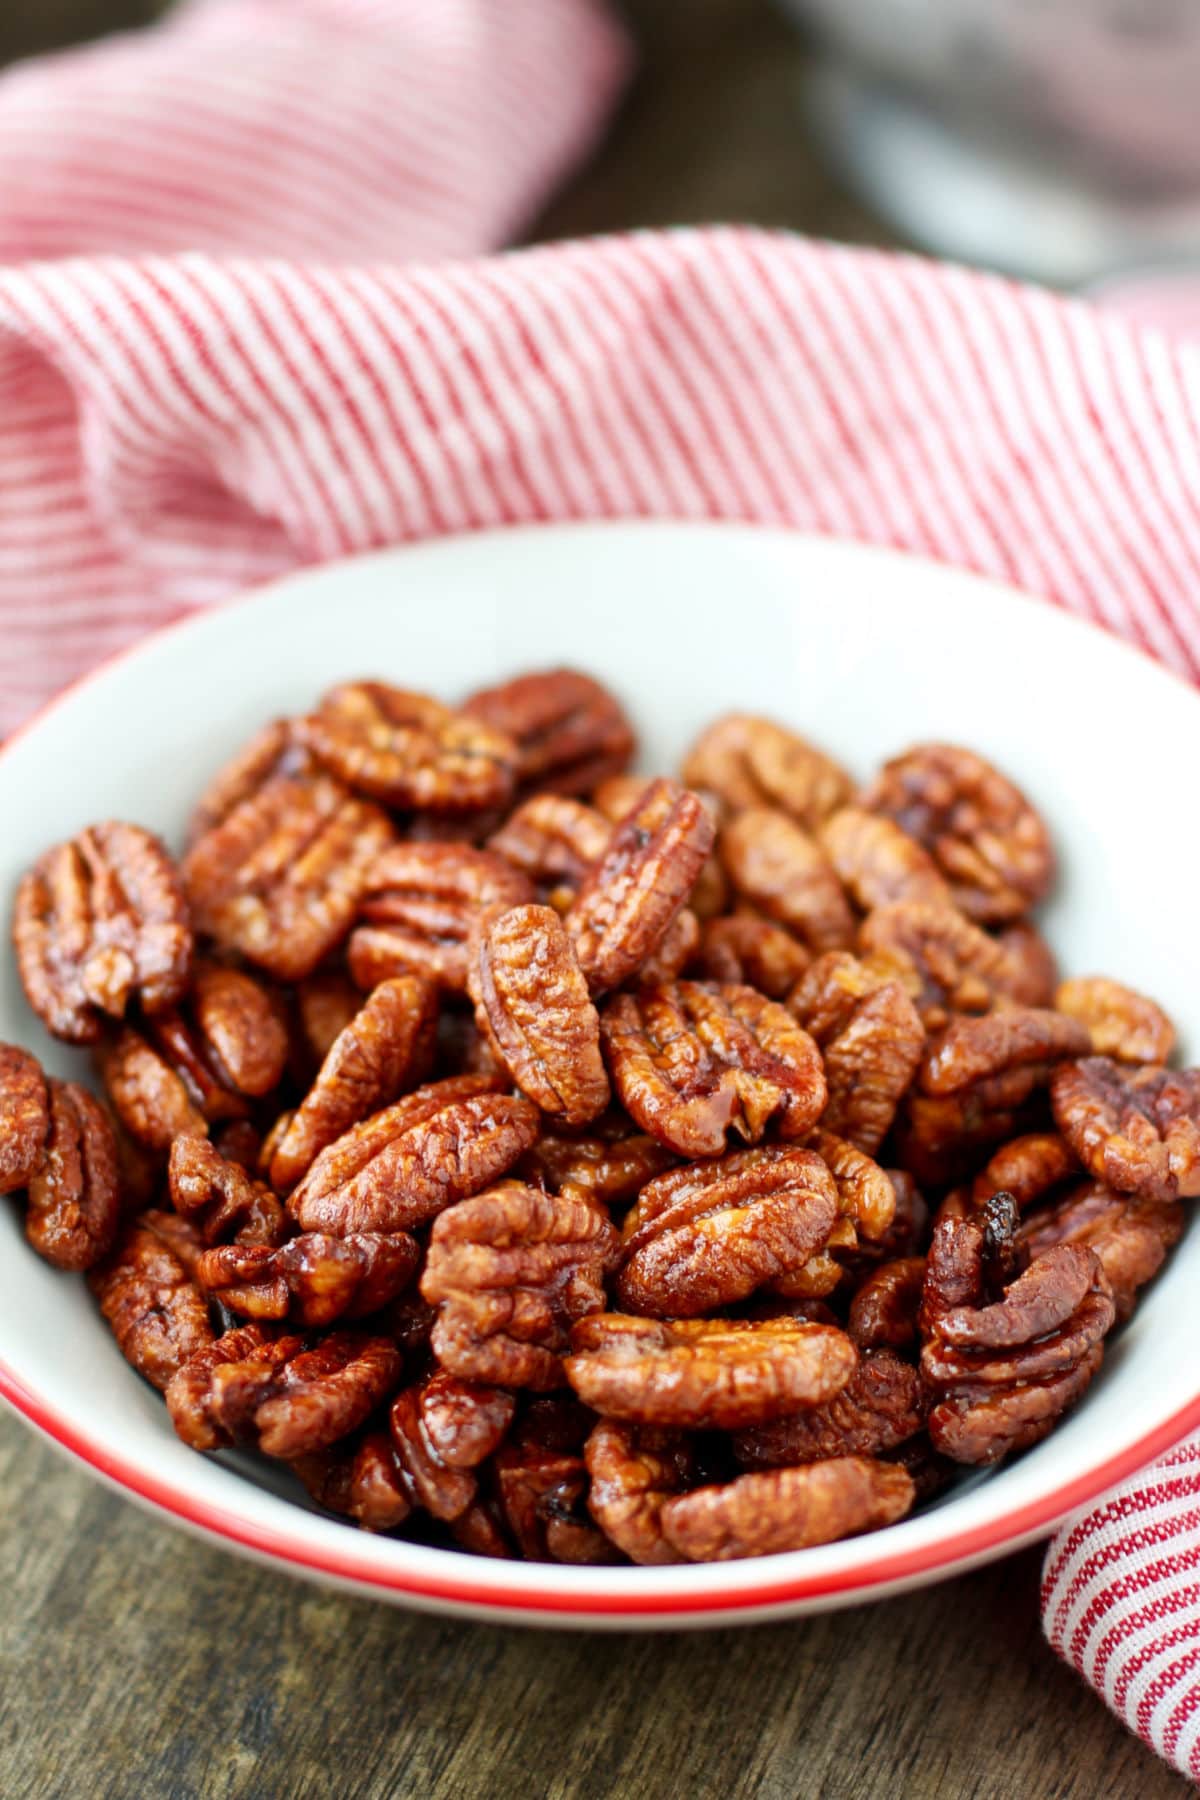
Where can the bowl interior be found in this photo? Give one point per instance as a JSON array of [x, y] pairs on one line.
[[865, 651]]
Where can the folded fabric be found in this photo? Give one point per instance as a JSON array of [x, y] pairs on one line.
[[286, 386]]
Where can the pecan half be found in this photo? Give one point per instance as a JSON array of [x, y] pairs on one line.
[[880, 1406], [718, 1374], [986, 838], [409, 750], [532, 1001], [877, 863], [24, 1117], [541, 1496], [707, 1235], [866, 1205], [553, 841], [947, 964], [634, 1471], [614, 1165], [510, 1270], [100, 922], [1130, 1237], [749, 761], [280, 878], [883, 1312], [754, 952], [570, 732], [420, 904], [271, 751], [323, 1006], [1137, 1130], [871, 1041], [786, 1509], [223, 1202], [386, 1047], [630, 896], [72, 1198], [402, 1166], [1027, 1168], [311, 1280], [784, 873], [1123, 1023], [156, 1311], [696, 1060], [441, 1431]]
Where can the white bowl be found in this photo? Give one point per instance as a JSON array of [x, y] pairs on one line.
[[865, 651]]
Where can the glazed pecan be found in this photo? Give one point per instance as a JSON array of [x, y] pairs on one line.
[[311, 1280], [1032, 972], [24, 1117], [72, 1197], [772, 1510], [986, 838], [179, 1235], [784, 873], [1137, 1130], [386, 1047], [272, 750], [223, 1202], [420, 903], [1122, 1023], [510, 1270], [400, 1167], [971, 1051], [198, 1064], [1130, 1237], [676, 951], [156, 1311], [280, 878], [880, 1406], [541, 1495], [877, 863], [866, 1204], [871, 1040], [532, 1002], [1002, 1369], [634, 1470], [754, 952], [282, 1396], [709, 1234], [632, 893], [718, 1374], [614, 1164], [359, 1479], [441, 1431], [323, 1006], [620, 795], [748, 762], [696, 1060], [1027, 1168], [570, 732], [947, 964], [100, 922], [409, 750], [553, 842], [883, 1312]]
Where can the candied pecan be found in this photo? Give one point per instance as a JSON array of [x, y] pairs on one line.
[[970, 1051], [716, 1374], [1032, 971], [1137, 1130], [615, 798], [408, 1321], [634, 890], [1130, 1237], [866, 1204], [748, 761], [223, 1202], [282, 1396], [196, 1065], [420, 903], [239, 1142], [100, 922], [323, 1006], [311, 1280], [1122, 1023], [441, 1431], [695, 1060], [883, 1312], [279, 879], [871, 1040], [156, 1311], [707, 1235], [400, 1167], [570, 732], [510, 1270], [634, 1470], [553, 842], [986, 838], [480, 1532], [386, 1047], [676, 951], [877, 863], [271, 751], [541, 1495], [779, 869], [532, 1001], [179, 1235], [359, 1480], [613, 1168], [752, 951], [772, 1510], [880, 1406], [409, 750], [1026, 1168], [72, 1198], [1003, 1369], [947, 964], [24, 1117]]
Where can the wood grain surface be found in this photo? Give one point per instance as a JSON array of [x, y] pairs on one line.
[[138, 1664]]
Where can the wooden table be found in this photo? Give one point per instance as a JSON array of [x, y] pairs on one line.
[[137, 1664]]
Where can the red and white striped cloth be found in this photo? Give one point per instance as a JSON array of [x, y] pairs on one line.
[[227, 364]]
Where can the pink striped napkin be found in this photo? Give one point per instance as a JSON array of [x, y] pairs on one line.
[[227, 364]]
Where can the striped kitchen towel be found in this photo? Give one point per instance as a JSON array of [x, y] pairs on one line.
[[232, 340]]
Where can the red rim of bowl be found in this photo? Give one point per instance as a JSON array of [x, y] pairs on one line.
[[1022, 1523]]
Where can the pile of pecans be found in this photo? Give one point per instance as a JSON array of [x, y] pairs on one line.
[[571, 1165]]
